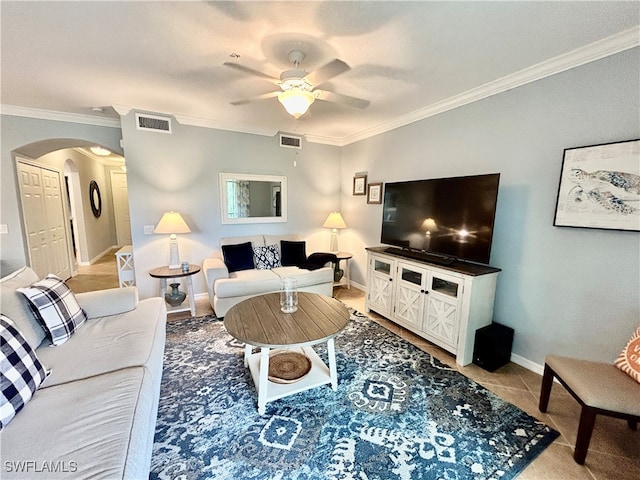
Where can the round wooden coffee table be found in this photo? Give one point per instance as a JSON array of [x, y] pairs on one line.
[[258, 322]]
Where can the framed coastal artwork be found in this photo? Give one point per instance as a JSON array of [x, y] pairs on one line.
[[600, 187]]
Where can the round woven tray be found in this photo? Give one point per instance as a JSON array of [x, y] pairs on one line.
[[286, 366]]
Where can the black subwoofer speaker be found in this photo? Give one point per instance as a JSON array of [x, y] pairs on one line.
[[492, 348]]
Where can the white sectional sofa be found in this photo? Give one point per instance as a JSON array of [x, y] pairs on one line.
[[227, 289], [95, 414]]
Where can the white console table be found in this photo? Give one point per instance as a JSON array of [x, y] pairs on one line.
[[443, 304]]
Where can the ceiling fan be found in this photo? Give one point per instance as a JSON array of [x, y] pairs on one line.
[[298, 87]]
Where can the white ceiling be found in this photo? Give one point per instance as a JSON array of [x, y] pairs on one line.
[[409, 59]]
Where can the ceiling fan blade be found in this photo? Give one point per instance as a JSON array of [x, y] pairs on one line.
[[259, 97], [339, 98], [251, 71], [326, 72]]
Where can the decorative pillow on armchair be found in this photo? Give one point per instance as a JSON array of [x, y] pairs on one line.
[[267, 257], [629, 359], [293, 253], [238, 257]]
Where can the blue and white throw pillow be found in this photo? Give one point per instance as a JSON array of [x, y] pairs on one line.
[[21, 373], [56, 307], [267, 257]]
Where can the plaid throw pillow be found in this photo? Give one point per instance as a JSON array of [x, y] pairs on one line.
[[21, 371], [56, 306], [267, 257]]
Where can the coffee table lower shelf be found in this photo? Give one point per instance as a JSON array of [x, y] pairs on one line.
[[269, 391]]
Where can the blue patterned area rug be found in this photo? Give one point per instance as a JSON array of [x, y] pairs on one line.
[[398, 414]]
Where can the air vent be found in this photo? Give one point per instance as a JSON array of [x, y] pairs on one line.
[[152, 123], [289, 141]]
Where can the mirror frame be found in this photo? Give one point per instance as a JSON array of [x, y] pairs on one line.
[[252, 178]]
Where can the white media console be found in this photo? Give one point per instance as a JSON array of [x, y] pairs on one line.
[[443, 304]]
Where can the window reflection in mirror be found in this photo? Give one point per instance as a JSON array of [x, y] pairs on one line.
[[253, 198]]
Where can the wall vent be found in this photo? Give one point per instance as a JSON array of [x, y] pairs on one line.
[[153, 123], [289, 141]]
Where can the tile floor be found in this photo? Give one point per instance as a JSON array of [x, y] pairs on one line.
[[614, 453]]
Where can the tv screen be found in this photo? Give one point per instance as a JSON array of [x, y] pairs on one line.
[[451, 218]]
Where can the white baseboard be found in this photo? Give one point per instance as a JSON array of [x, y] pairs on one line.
[[528, 364], [97, 257]]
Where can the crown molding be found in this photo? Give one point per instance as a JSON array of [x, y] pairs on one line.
[[207, 123], [336, 142], [41, 114], [606, 47]]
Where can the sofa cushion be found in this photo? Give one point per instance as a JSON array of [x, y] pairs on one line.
[[129, 339], [293, 253], [629, 359], [57, 307], [22, 373], [306, 278], [93, 428], [276, 239], [17, 308], [266, 257], [238, 257], [111, 301], [247, 282]]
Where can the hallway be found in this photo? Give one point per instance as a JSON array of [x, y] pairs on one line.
[[101, 275]]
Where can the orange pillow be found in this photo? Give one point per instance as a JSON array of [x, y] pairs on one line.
[[629, 359]]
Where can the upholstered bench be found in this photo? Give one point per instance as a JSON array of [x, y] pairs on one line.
[[600, 388]]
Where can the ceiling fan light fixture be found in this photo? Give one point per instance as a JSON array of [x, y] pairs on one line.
[[296, 102]]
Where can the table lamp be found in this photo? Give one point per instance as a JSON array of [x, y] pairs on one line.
[[172, 223], [334, 221]]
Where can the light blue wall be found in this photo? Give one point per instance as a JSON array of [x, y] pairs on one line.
[[23, 133], [180, 172], [567, 291]]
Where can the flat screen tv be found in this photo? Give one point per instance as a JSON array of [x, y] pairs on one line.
[[444, 219]]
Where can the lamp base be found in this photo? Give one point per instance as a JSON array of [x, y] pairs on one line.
[[333, 248], [174, 256]]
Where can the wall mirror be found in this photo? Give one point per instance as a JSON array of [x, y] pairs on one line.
[[246, 198]]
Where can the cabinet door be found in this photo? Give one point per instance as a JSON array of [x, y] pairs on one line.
[[442, 319], [408, 305], [380, 284]]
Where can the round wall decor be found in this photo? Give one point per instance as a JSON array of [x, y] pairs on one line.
[[96, 200]]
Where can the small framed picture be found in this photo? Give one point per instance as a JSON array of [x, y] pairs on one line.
[[374, 193], [360, 185]]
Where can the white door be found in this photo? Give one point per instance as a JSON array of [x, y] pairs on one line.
[[120, 197], [44, 220]]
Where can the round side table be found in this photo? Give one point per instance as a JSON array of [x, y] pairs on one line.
[[165, 273], [346, 256]]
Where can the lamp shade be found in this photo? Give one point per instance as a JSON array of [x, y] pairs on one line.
[[334, 220], [172, 222], [296, 101], [429, 225]]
